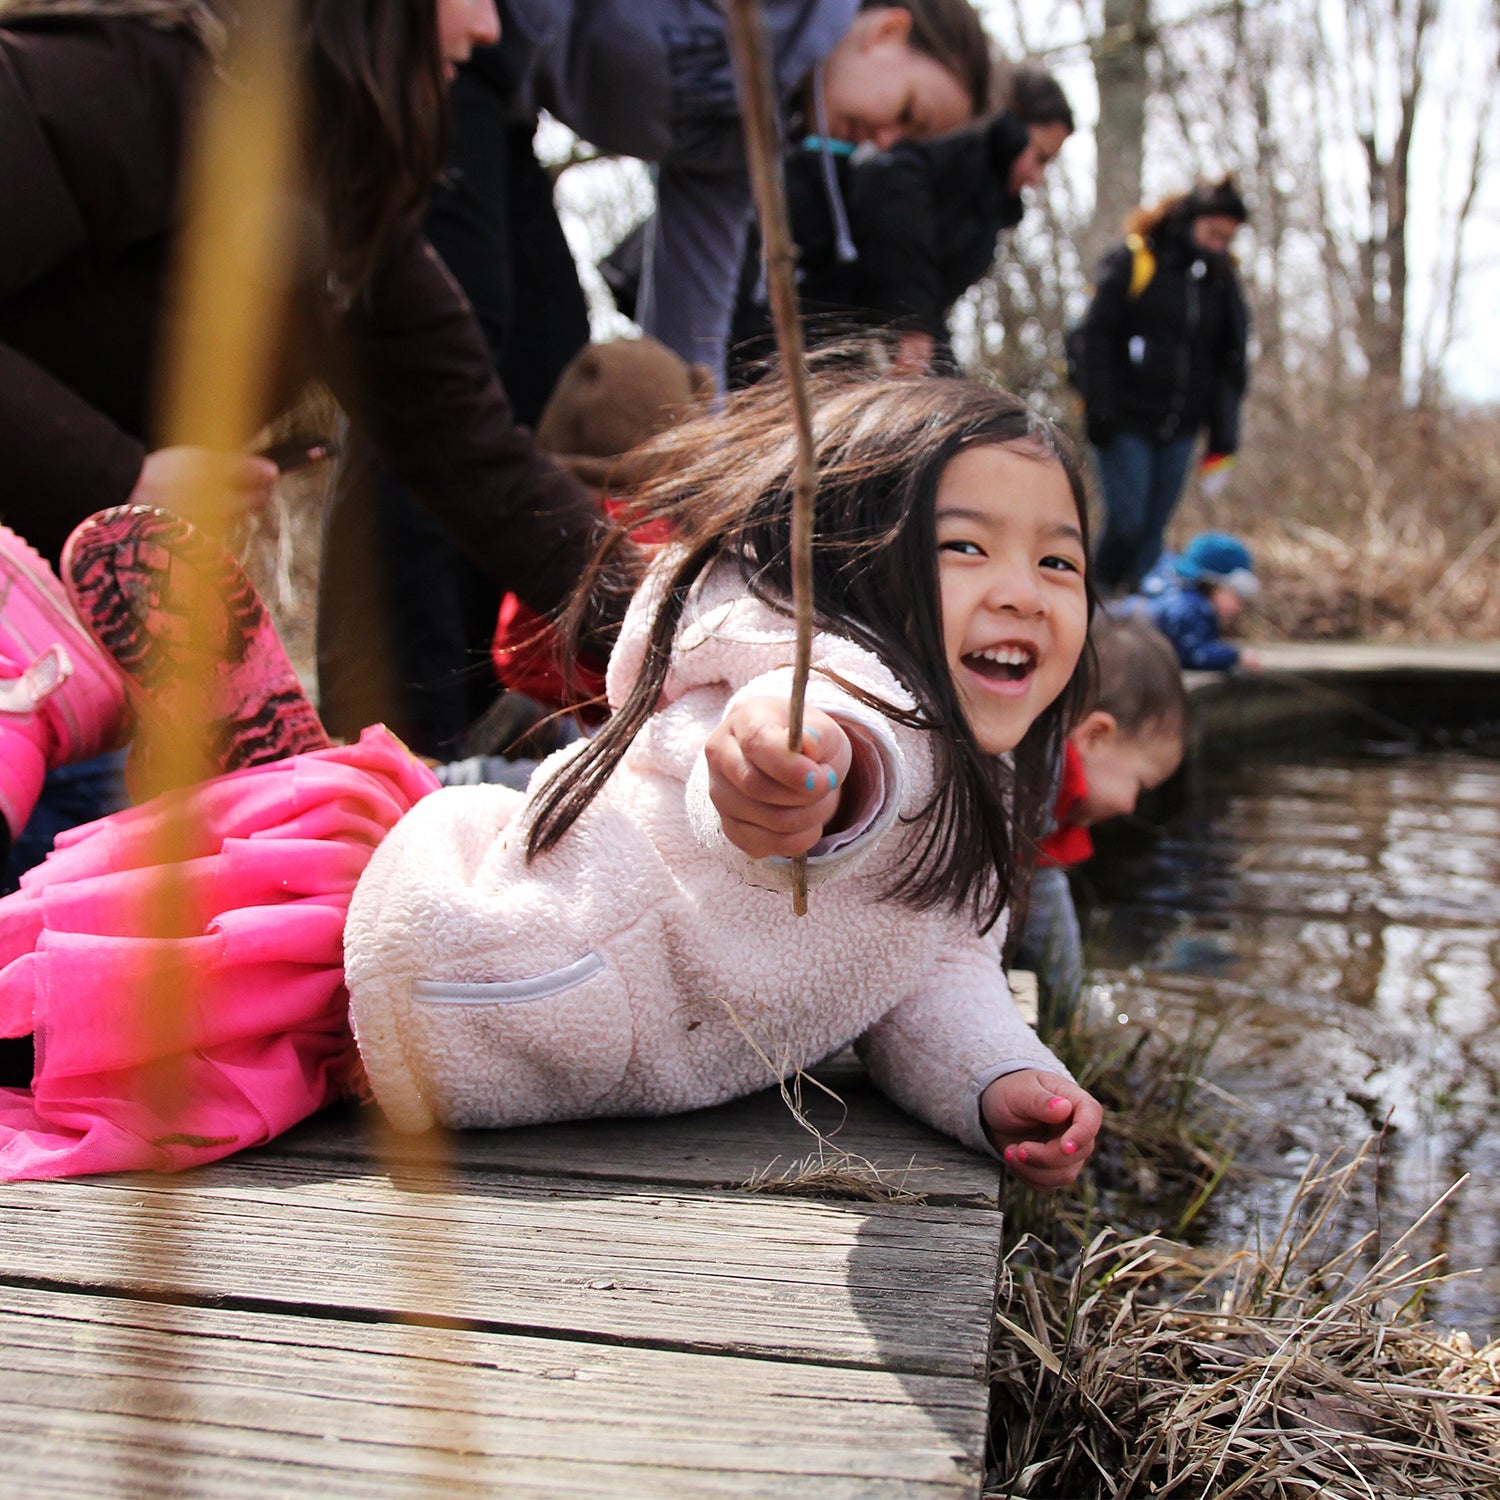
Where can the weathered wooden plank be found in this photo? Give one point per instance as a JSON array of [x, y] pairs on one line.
[[109, 1395], [723, 1147], [903, 1287]]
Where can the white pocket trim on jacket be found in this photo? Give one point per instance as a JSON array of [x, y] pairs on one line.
[[508, 991]]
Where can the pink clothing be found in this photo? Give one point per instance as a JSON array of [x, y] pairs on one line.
[[181, 964]]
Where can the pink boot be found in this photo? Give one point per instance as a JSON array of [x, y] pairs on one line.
[[205, 670], [61, 698]]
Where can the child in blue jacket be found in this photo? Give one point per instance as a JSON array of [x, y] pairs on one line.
[[1212, 578]]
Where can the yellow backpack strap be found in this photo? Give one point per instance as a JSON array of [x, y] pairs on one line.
[[1142, 265]]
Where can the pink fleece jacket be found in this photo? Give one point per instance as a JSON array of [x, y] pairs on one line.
[[644, 965]]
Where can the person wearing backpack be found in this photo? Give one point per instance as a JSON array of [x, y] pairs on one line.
[[1159, 359]]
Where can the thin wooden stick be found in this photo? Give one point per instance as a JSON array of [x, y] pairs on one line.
[[758, 107]]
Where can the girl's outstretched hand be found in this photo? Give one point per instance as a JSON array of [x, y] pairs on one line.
[[1043, 1124], [772, 800]]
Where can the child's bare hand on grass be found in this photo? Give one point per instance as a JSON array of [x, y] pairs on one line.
[[1043, 1124]]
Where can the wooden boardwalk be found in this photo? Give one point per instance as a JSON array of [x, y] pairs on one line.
[[1309, 687], [595, 1310]]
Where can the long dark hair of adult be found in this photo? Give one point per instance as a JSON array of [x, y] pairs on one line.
[[724, 484], [376, 124], [376, 98]]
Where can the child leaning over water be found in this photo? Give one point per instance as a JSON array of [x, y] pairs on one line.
[[1204, 595], [1130, 741], [620, 939]]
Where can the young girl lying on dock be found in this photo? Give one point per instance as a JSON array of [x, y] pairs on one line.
[[620, 938]]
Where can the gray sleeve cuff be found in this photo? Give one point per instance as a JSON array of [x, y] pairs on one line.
[[980, 1139]]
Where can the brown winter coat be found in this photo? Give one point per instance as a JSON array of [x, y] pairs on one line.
[[95, 112]]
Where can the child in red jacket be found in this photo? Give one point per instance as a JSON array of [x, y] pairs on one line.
[[1130, 741]]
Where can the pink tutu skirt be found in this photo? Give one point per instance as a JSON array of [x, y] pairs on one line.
[[181, 964]]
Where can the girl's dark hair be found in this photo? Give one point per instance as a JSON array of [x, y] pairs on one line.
[[1035, 97], [376, 123], [199, 18], [724, 484], [951, 33], [1140, 682]]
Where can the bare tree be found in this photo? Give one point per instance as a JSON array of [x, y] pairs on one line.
[[1120, 68]]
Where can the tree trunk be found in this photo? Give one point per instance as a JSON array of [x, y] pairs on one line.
[[1119, 55]]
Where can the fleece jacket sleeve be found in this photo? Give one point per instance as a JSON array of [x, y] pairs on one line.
[[938, 1050], [883, 779]]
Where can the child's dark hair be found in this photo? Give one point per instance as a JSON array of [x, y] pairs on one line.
[[1140, 683], [881, 442]]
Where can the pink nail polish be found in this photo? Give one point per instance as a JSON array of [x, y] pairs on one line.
[[1055, 1100], [1070, 1147], [1010, 1153], [1020, 1153]]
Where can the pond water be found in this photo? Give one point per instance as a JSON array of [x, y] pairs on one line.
[[1341, 917]]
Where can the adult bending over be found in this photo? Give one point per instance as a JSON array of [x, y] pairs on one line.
[[97, 114], [923, 221], [858, 71]]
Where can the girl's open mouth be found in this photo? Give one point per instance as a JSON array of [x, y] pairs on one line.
[[1009, 663]]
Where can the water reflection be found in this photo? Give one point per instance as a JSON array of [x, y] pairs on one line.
[[1346, 915]]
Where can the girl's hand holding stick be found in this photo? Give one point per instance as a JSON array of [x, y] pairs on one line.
[[773, 800], [763, 152]]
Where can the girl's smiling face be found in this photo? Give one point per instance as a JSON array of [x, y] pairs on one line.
[[1011, 575]]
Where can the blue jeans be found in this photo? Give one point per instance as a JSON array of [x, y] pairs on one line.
[[1142, 480], [1051, 946], [70, 795]]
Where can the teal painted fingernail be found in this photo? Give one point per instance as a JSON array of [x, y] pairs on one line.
[[812, 780], [833, 780]]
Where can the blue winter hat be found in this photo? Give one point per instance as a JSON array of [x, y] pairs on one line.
[[1217, 557]]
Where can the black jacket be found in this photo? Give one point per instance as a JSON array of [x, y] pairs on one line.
[[95, 119], [827, 285], [924, 217], [1172, 360]]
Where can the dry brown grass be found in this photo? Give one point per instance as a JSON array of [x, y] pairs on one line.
[[281, 549], [1369, 521], [1301, 1369]]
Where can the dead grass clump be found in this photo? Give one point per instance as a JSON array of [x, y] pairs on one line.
[[1301, 1369], [1369, 520], [828, 1173]]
